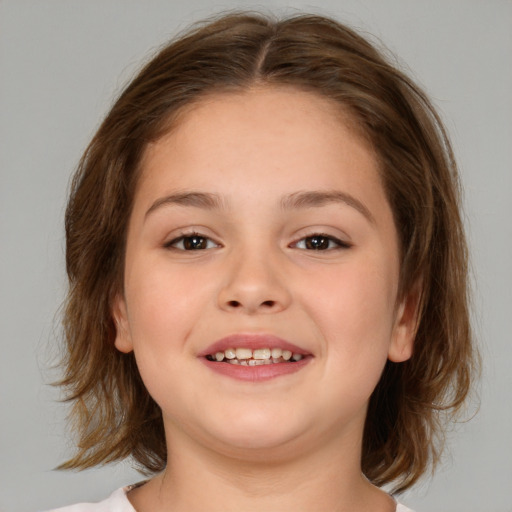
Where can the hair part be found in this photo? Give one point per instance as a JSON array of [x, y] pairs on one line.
[[113, 414]]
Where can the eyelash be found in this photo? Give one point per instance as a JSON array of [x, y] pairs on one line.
[[184, 236], [338, 244]]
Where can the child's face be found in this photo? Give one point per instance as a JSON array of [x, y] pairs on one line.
[[262, 217]]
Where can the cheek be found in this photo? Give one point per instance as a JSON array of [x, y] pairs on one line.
[[354, 310], [163, 303], [163, 308]]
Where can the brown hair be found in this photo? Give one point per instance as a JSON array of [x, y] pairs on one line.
[[113, 414]]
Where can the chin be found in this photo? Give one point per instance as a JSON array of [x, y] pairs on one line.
[[257, 436]]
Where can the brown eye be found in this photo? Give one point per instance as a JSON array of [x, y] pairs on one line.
[[317, 242], [193, 242], [320, 242]]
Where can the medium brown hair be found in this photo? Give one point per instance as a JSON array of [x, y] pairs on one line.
[[113, 414]]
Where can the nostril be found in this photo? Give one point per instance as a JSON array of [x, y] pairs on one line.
[[265, 304]]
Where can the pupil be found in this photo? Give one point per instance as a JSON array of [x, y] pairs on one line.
[[192, 243], [317, 243]]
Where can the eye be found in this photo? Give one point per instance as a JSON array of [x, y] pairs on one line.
[[320, 242], [192, 242]]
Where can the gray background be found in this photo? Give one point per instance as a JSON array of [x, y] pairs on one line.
[[61, 64]]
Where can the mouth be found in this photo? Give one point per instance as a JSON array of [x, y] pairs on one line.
[[257, 357], [254, 357]]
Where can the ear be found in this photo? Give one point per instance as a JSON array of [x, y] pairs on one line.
[[123, 341], [406, 325]]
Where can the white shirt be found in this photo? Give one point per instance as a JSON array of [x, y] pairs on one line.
[[118, 502]]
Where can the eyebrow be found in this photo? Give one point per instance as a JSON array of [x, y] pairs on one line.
[[202, 200], [315, 199], [296, 200]]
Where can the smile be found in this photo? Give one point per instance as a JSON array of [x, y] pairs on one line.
[[254, 357], [247, 357]]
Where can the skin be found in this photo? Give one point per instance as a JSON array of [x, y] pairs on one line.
[[292, 442]]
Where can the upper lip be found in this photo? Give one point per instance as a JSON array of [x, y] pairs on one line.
[[252, 341]]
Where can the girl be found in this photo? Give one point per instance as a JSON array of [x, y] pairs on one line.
[[268, 278]]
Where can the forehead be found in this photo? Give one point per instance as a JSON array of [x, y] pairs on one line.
[[266, 126]]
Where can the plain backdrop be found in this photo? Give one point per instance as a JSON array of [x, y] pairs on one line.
[[61, 64]]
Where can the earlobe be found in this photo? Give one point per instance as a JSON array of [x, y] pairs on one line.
[[406, 326], [123, 340]]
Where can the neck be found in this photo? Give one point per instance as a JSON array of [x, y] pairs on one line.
[[198, 479]]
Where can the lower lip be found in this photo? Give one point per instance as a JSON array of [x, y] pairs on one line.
[[256, 373]]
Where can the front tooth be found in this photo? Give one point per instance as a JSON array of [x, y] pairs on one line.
[[286, 355], [219, 356], [256, 362], [243, 353], [297, 357], [262, 353], [230, 353], [276, 353]]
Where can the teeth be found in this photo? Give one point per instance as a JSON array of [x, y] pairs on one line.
[[248, 357], [262, 353], [276, 353], [243, 353], [256, 362], [230, 353]]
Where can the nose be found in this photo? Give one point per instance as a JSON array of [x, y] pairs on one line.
[[254, 284]]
